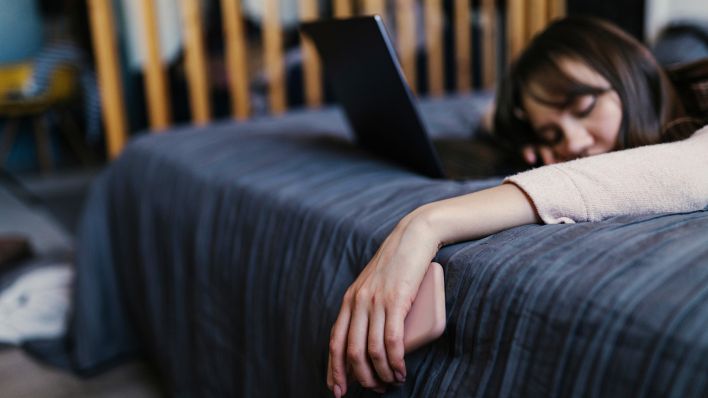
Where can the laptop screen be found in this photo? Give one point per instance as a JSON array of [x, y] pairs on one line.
[[361, 65]]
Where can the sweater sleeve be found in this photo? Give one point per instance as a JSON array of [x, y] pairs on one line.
[[662, 178]]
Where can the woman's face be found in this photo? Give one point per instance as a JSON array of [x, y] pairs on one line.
[[588, 125]]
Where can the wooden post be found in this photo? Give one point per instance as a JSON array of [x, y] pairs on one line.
[[104, 46], [489, 44], [199, 97], [463, 36], [273, 53], [371, 7], [156, 88], [434, 47], [516, 29], [556, 9], [342, 8], [312, 70], [405, 23], [537, 13], [236, 57]]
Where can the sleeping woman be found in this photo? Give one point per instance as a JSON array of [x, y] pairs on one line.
[[591, 104]]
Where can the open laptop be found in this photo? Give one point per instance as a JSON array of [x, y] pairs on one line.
[[361, 64]]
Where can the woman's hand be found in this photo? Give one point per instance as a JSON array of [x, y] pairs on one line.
[[367, 337], [531, 154]]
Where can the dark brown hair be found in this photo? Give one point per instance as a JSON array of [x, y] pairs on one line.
[[648, 99]]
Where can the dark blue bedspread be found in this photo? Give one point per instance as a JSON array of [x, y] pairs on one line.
[[223, 253]]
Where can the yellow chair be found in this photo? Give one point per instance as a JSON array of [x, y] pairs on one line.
[[15, 107]]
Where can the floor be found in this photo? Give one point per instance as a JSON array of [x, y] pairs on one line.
[[47, 209], [23, 377], [61, 194]]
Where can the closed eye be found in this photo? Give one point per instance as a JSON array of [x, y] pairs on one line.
[[584, 105]]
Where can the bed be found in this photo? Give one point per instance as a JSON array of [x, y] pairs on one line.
[[223, 257], [221, 251]]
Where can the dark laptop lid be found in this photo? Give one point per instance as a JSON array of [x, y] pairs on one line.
[[362, 68]]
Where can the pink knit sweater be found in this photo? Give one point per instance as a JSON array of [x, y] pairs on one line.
[[663, 178]]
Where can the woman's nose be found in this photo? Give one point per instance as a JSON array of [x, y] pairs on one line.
[[577, 139]]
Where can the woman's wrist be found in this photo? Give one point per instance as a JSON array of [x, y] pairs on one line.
[[472, 216], [423, 223]]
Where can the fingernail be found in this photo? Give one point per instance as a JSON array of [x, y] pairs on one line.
[[400, 377], [337, 391]]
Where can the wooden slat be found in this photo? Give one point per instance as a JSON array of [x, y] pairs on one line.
[[556, 9], [489, 44], [434, 47], [312, 70], [273, 54], [195, 59], [342, 8], [155, 81], [536, 17], [515, 29], [371, 7], [405, 23], [104, 46], [463, 35], [236, 57]]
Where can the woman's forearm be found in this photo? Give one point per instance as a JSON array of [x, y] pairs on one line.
[[473, 215], [662, 178], [367, 336]]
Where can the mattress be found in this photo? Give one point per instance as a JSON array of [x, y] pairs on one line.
[[222, 253]]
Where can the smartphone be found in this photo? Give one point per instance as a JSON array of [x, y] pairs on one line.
[[426, 319]]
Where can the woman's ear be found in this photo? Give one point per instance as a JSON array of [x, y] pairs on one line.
[[520, 114]]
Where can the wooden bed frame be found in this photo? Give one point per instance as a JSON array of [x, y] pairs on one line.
[[523, 18]]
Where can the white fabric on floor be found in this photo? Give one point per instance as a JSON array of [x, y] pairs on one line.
[[36, 304]]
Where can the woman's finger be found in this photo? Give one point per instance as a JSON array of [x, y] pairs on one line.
[[547, 155], [380, 387], [529, 154], [376, 347], [336, 372], [330, 379], [393, 338], [357, 355]]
